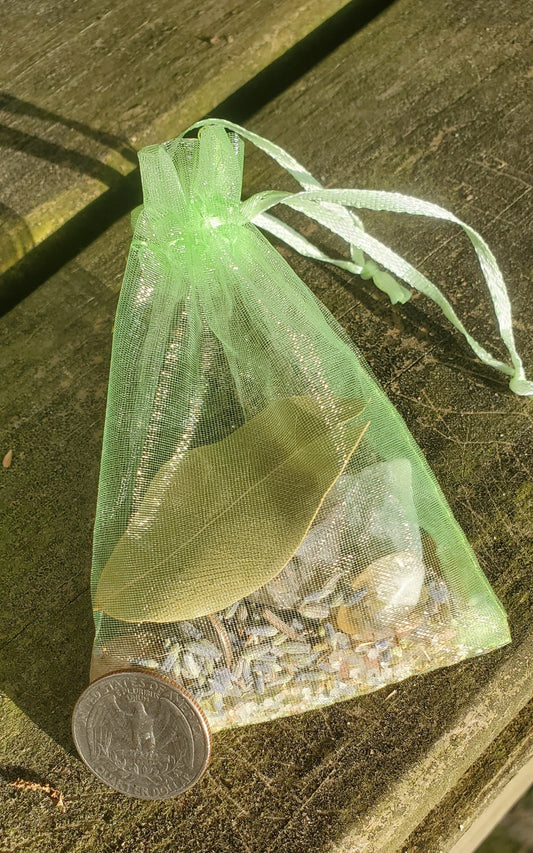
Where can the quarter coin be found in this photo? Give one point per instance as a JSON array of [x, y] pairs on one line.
[[141, 734]]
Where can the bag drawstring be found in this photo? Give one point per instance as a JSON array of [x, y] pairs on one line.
[[329, 207]]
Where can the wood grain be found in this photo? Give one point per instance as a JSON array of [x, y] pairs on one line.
[[431, 99], [87, 84], [483, 794]]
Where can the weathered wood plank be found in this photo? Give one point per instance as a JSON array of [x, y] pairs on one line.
[[514, 830], [483, 795], [397, 108], [86, 84]]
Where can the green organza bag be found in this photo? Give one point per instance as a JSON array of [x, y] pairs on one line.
[[268, 535]]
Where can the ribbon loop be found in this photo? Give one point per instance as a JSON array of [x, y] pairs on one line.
[[332, 209]]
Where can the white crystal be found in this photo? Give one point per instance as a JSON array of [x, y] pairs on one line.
[[397, 581], [380, 508]]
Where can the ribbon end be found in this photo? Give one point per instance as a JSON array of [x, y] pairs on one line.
[[521, 386], [385, 282]]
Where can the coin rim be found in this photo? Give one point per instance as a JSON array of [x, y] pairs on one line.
[[201, 717]]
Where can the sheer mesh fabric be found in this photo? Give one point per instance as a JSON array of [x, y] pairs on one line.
[[268, 533]]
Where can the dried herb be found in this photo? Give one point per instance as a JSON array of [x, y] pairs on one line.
[[223, 519]]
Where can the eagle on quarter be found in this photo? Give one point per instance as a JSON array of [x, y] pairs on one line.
[[144, 737]]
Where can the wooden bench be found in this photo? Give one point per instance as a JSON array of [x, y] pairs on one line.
[[429, 98], [88, 85]]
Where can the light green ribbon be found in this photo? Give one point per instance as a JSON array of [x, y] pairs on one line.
[[330, 208]]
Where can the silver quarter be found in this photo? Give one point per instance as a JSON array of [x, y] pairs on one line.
[[141, 734]]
